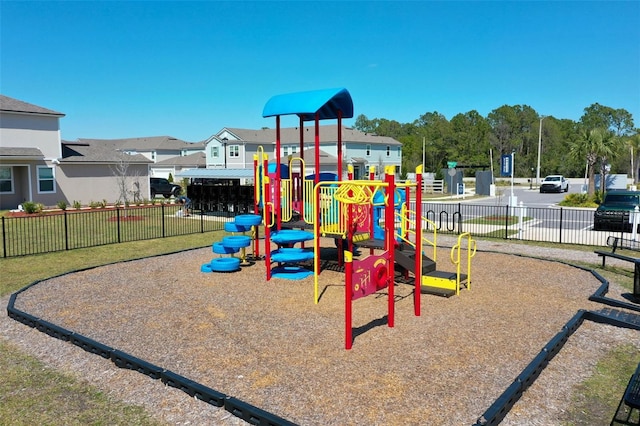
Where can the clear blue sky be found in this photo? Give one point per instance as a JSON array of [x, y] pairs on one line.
[[188, 69]]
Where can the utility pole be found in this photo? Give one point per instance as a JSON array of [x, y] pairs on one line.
[[423, 153], [539, 150]]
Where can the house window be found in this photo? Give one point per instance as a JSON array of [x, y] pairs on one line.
[[399, 151], [153, 155], [286, 150], [215, 151], [46, 182], [6, 180], [368, 150], [388, 150], [234, 151]]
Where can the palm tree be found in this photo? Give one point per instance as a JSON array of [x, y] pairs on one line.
[[593, 145]]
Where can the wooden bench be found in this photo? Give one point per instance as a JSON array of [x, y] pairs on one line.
[[617, 243], [630, 401]]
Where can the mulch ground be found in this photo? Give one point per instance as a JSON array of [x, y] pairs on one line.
[[269, 344]]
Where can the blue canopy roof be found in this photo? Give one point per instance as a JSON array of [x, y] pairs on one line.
[[326, 103]]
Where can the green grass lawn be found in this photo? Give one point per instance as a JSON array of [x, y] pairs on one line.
[[30, 393]]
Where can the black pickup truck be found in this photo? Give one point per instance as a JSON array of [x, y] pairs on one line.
[[161, 186]]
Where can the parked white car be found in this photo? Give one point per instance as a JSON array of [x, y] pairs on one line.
[[554, 183]]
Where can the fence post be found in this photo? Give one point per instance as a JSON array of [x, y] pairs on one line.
[[506, 223], [118, 222], [560, 235], [162, 216], [66, 232], [4, 239]]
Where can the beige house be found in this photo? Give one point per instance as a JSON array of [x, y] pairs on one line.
[[29, 150], [36, 165]]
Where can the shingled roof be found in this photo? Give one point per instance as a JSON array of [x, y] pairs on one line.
[[195, 160], [17, 152], [8, 104], [87, 152], [149, 143], [291, 135]]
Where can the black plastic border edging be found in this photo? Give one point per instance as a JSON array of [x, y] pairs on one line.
[[256, 416], [499, 409], [252, 414], [243, 410]]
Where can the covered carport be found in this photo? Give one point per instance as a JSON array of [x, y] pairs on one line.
[[220, 190]]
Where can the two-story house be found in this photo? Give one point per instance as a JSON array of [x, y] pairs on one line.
[[29, 150], [167, 154], [233, 148], [36, 165]]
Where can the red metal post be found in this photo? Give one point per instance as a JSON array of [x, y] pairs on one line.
[[267, 227], [348, 301], [302, 141], [389, 225], [340, 145], [317, 148], [277, 196]]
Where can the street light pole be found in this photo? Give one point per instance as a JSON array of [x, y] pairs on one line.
[[423, 154], [539, 150]]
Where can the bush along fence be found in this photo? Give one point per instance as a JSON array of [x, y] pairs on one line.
[[68, 230]]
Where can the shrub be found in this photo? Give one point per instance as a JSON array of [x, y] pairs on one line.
[[94, 204], [579, 200], [31, 207], [76, 204], [62, 205], [103, 204]]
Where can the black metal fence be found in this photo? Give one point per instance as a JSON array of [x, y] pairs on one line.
[[68, 230], [549, 224]]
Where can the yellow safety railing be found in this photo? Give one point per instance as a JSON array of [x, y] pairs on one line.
[[260, 156], [456, 258], [286, 205], [309, 200], [335, 197], [408, 229]]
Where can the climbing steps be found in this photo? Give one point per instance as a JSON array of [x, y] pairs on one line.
[[442, 283]]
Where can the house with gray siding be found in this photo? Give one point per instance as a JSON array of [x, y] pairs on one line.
[[233, 148]]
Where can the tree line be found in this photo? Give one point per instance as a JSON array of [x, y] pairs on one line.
[[604, 140]]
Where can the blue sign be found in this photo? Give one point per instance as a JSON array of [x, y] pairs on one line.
[[506, 166]]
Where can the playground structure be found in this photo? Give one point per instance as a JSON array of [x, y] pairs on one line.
[[372, 213], [298, 207]]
